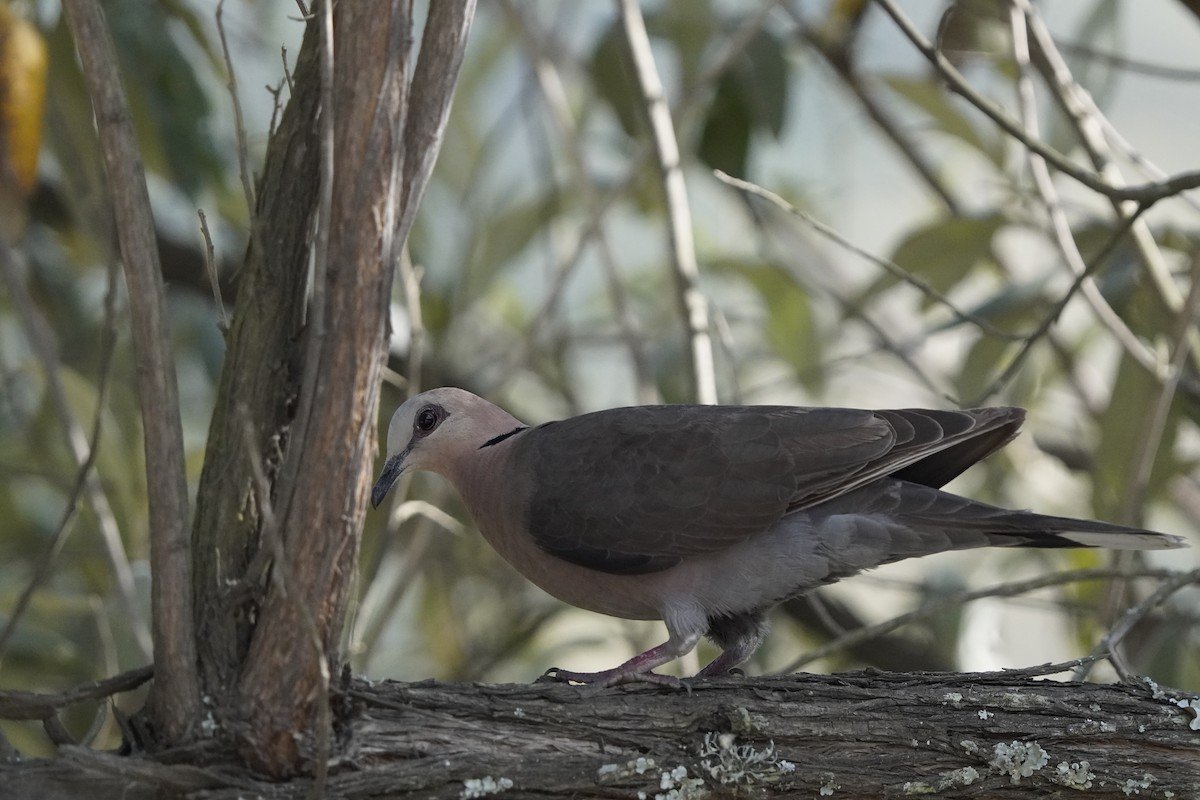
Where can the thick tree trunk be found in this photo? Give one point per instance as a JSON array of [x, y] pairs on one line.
[[260, 382], [856, 735], [293, 436]]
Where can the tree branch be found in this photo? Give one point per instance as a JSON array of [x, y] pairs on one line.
[[1146, 194], [322, 489], [693, 304], [176, 695], [999, 735]]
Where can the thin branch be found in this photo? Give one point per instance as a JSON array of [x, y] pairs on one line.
[[432, 89], [1059, 225], [1146, 194], [890, 267], [689, 106], [1155, 422], [239, 122], [957, 599], [210, 262], [410, 282], [176, 689], [554, 94], [16, 705], [83, 449], [1081, 110], [837, 53], [1108, 645], [692, 302], [1052, 317], [1148, 68]]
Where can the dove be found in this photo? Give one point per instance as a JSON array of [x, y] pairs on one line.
[[706, 517]]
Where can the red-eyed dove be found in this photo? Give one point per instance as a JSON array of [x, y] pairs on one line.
[[706, 517]]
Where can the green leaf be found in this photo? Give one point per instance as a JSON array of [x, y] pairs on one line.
[[764, 76], [948, 117], [750, 96], [945, 252], [170, 108], [790, 328], [614, 81], [725, 140], [1123, 430]]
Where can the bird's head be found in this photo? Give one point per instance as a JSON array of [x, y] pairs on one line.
[[438, 431]]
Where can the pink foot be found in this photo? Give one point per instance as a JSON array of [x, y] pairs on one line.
[[613, 677]]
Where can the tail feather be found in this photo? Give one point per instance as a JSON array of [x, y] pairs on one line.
[[921, 520], [1066, 532]]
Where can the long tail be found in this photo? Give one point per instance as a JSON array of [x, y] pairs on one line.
[[897, 519]]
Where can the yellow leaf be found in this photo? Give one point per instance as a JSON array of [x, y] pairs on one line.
[[23, 63]]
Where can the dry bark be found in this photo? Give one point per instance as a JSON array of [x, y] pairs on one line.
[[854, 735], [175, 701]]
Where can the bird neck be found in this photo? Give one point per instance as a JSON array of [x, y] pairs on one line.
[[488, 486]]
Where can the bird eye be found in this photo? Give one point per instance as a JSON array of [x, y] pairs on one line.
[[427, 419]]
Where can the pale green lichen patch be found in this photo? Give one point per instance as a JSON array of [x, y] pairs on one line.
[[674, 783], [1018, 759], [733, 764], [677, 785], [1019, 701], [829, 784], [635, 766], [1076, 775], [1135, 785], [482, 787], [953, 779], [1191, 706]]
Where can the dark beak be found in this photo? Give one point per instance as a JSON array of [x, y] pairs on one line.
[[392, 469]]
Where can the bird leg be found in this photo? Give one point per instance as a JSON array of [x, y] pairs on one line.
[[638, 669], [738, 636]]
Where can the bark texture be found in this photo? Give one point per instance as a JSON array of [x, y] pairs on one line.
[[855, 735]]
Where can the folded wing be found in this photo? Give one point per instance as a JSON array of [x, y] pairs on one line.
[[636, 490]]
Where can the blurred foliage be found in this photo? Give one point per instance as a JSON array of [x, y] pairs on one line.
[[545, 285]]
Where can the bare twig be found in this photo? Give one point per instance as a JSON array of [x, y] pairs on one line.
[[176, 689], [432, 88], [84, 450], [1052, 316], [410, 282], [210, 262], [239, 122], [837, 53], [692, 302], [1107, 646], [1060, 227], [32, 705], [1155, 422], [608, 198], [956, 599], [554, 94], [1081, 110], [890, 267], [1146, 194], [1148, 68]]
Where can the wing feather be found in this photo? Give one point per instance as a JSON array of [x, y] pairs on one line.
[[636, 490]]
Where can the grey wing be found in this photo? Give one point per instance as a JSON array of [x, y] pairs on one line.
[[637, 490]]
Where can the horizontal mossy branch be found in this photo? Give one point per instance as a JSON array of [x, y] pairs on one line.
[[854, 735]]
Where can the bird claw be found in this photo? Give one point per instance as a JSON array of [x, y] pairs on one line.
[[610, 678]]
